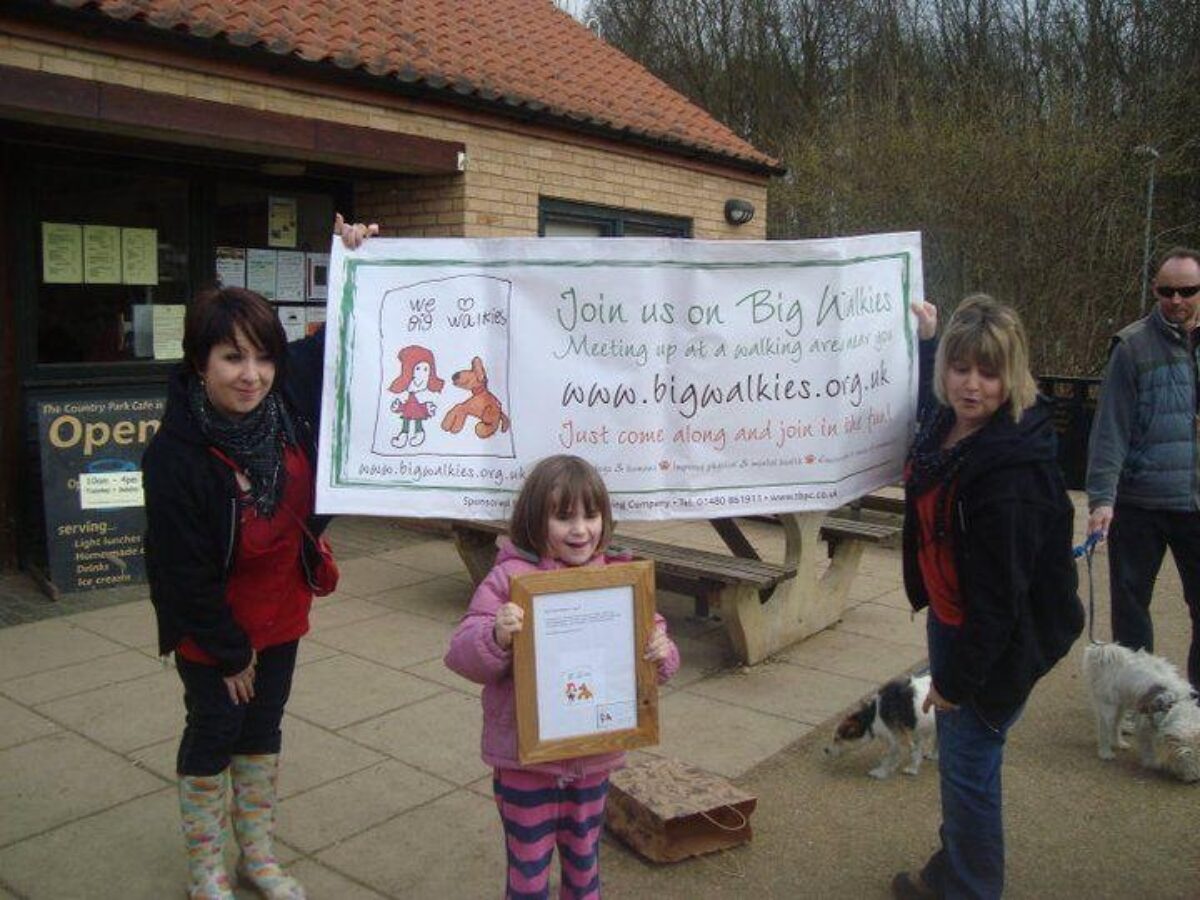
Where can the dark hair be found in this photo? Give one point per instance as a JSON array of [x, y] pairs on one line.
[[1177, 253], [216, 316], [555, 485]]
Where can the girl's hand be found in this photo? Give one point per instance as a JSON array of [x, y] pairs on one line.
[[937, 701], [353, 235], [510, 618], [241, 685], [658, 647], [927, 317]]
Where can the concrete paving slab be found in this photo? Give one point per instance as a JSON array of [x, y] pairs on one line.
[[783, 689], [341, 690], [854, 655], [398, 639], [322, 883], [43, 687], [866, 586], [720, 737], [159, 758], [700, 657], [888, 623], [439, 735], [337, 810], [18, 724], [450, 848], [131, 624], [124, 716], [435, 670], [368, 575], [133, 851], [311, 650], [437, 557], [313, 756], [342, 609], [442, 598], [54, 779], [41, 646]]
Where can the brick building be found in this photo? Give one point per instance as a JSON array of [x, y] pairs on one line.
[[146, 145]]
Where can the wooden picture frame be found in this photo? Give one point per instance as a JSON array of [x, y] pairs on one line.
[[582, 684]]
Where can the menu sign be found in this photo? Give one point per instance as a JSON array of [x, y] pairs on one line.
[[91, 452]]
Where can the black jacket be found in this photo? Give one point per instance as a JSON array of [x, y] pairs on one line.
[[192, 514], [1012, 537]]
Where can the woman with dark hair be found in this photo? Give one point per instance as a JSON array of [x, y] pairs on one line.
[[229, 547], [987, 548]]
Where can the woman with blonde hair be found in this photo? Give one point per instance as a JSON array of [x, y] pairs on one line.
[[988, 549]]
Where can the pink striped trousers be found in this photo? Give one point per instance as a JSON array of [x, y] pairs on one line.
[[541, 812]]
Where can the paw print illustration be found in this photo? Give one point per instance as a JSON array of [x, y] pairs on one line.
[[664, 464], [810, 459]]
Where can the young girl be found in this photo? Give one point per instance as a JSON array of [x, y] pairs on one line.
[[562, 517]]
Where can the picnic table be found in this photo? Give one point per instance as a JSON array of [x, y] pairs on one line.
[[766, 606]]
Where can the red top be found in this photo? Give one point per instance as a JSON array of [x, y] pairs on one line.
[[935, 554], [267, 588]]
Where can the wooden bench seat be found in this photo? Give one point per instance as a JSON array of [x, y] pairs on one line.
[[838, 528]]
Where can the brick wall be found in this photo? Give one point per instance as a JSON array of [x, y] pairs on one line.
[[507, 170]]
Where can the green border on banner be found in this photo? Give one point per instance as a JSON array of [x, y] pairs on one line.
[[340, 451]]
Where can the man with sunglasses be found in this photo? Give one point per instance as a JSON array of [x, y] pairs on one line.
[[1143, 478]]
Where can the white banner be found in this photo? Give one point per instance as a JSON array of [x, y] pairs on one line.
[[702, 378]]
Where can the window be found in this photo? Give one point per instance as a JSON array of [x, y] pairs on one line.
[[109, 241], [118, 245], [564, 218]]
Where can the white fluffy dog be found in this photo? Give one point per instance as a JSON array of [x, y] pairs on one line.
[[1167, 722], [1168, 733], [894, 714]]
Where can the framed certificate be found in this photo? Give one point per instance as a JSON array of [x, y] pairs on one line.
[[582, 686]]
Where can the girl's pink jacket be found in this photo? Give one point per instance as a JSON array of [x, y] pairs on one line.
[[475, 655]]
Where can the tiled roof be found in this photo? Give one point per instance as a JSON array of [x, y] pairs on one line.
[[521, 56]]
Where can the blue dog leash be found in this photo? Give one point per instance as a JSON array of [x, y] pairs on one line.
[[1088, 549]]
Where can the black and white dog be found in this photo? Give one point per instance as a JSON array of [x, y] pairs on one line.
[[894, 714]]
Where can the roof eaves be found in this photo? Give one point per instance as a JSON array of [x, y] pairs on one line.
[[121, 19]]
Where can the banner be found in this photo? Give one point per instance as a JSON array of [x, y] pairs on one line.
[[702, 378]]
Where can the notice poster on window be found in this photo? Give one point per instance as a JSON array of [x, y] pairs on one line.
[[91, 450], [139, 256], [260, 271], [281, 221], [289, 277], [101, 254], [231, 266], [292, 318], [317, 265], [62, 253], [168, 331]]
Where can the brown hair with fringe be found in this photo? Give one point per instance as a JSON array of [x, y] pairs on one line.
[[555, 486], [216, 316], [985, 331]]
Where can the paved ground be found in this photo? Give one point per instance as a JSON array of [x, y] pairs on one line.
[[385, 796]]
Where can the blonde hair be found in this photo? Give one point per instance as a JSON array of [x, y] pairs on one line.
[[987, 332], [554, 486]]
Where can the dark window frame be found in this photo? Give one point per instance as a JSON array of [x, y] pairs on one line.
[[612, 220]]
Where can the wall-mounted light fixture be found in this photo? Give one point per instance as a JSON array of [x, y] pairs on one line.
[[738, 212]]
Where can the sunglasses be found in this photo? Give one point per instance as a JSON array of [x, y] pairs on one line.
[[1166, 291]]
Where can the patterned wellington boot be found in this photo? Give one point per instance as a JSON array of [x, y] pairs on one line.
[[254, 824], [202, 800]]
